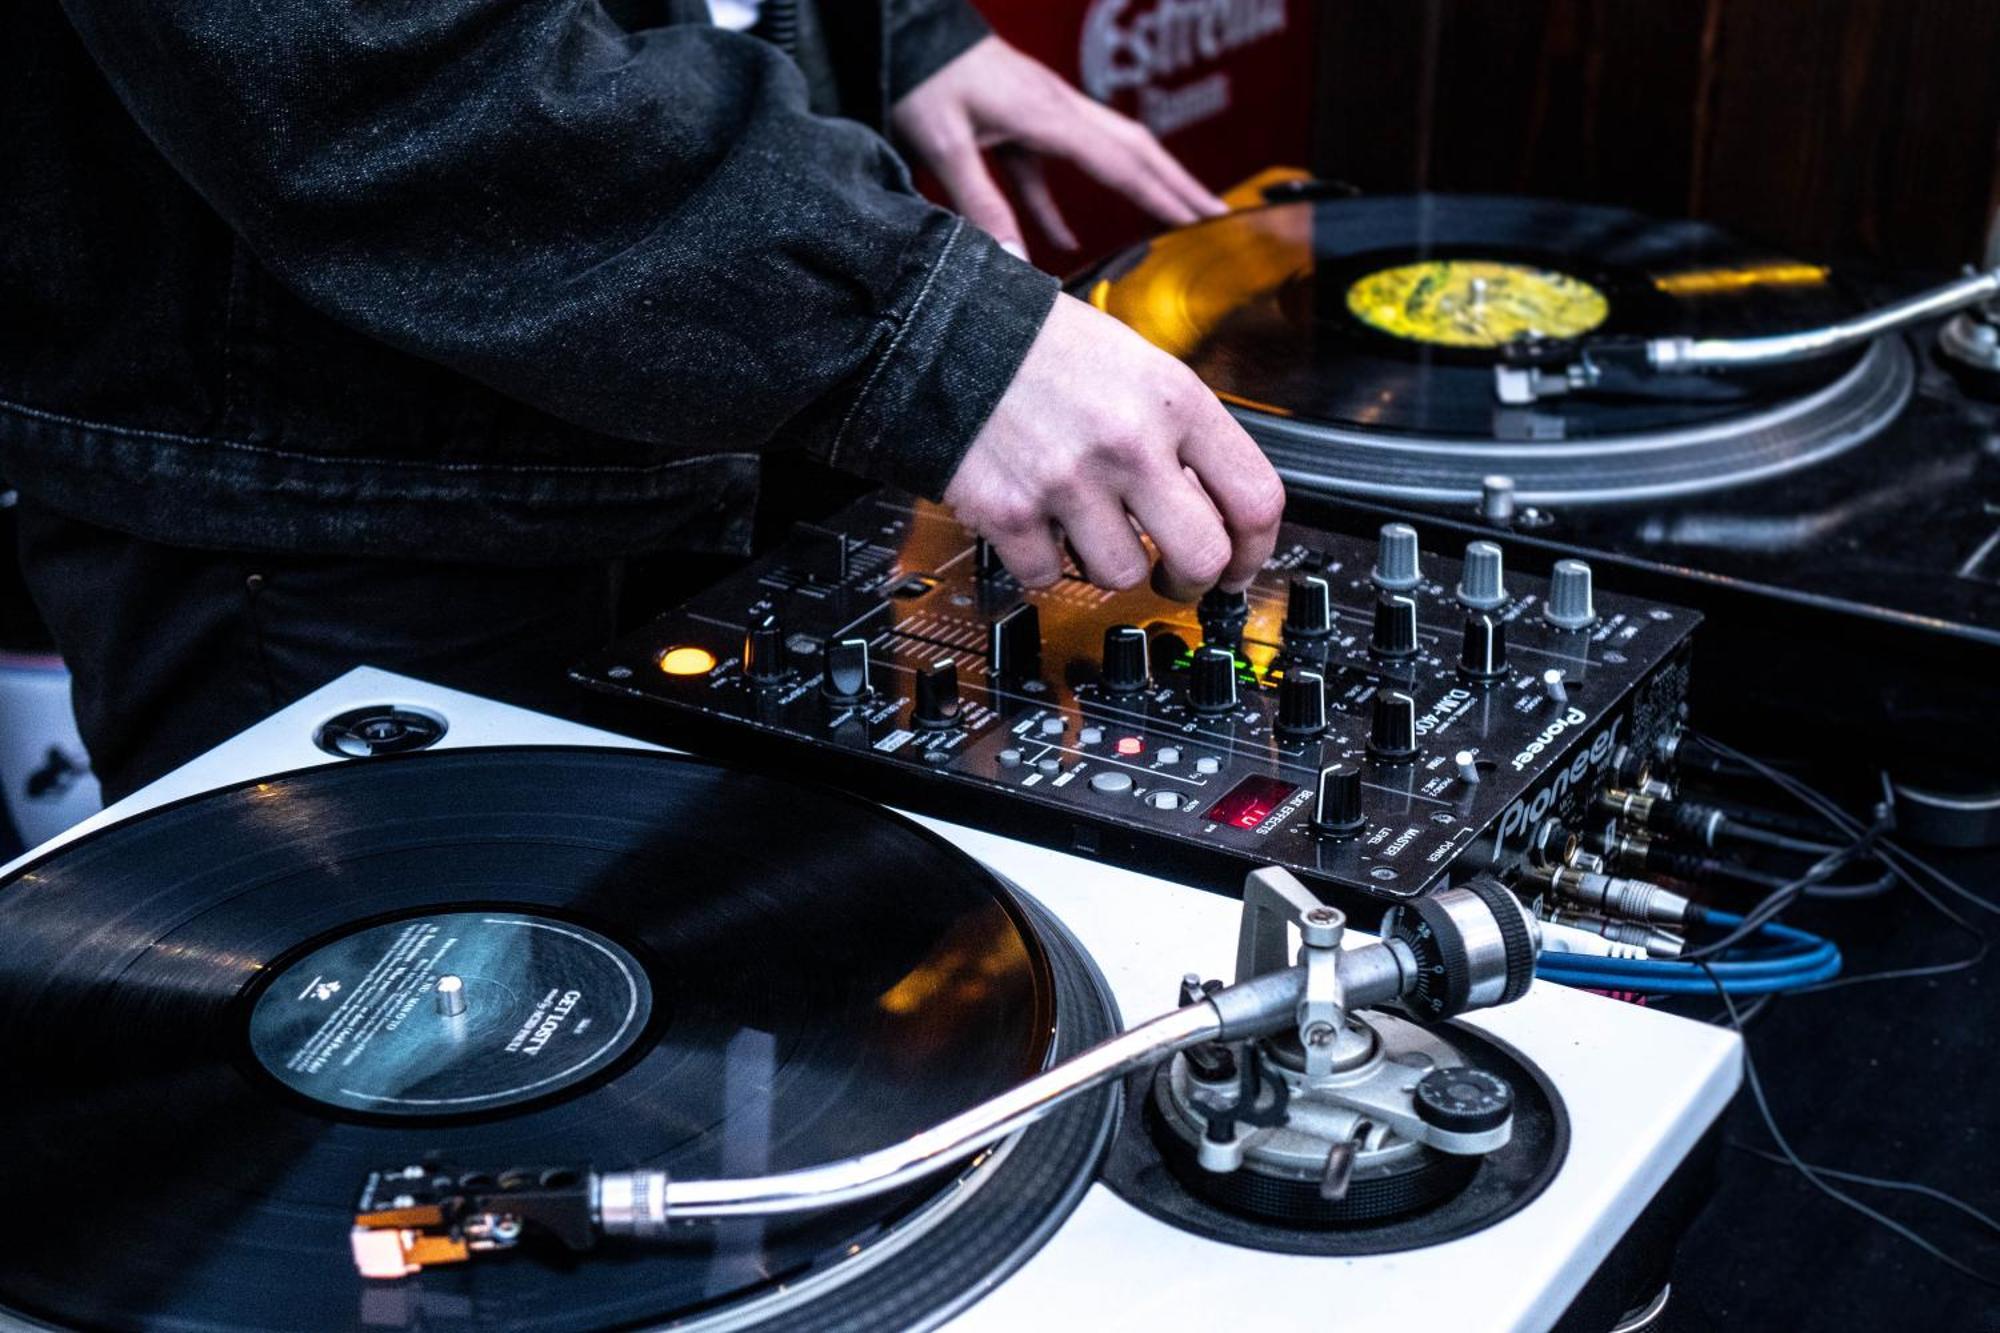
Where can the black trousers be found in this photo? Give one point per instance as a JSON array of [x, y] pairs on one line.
[[173, 650]]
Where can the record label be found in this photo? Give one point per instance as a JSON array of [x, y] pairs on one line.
[[450, 1013], [1476, 303]]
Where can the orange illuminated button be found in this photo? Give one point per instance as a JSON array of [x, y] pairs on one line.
[[687, 661], [1129, 745]]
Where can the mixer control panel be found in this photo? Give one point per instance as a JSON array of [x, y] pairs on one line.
[[1371, 714]]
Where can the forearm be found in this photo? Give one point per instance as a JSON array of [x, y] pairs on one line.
[[646, 234]]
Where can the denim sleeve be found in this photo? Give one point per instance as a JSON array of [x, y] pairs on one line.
[[926, 34], [645, 233]]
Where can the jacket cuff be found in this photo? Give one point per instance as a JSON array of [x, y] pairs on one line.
[[926, 35], [944, 364]]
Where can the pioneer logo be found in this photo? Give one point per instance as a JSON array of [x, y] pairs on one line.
[[1131, 47], [1573, 718], [1529, 811]]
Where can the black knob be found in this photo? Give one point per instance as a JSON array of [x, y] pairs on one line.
[[1462, 1100], [846, 678], [1222, 615], [1212, 680], [1392, 732], [1014, 642], [1126, 664], [1395, 627], [1302, 704], [1308, 608], [985, 560], [937, 700], [1484, 654], [764, 651], [1337, 803]]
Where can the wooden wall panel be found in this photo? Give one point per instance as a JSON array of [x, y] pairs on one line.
[[1847, 130]]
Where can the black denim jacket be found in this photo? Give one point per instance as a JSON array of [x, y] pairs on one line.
[[501, 280]]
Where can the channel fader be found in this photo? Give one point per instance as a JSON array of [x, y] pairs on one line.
[[1375, 716]]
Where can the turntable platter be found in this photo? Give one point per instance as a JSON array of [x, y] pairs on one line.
[[1355, 340], [228, 1012]]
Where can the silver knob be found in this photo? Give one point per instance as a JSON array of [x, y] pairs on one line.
[[1496, 500], [1482, 584], [450, 996], [1568, 605], [1396, 557]]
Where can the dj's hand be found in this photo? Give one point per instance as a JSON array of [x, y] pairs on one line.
[[1099, 429], [993, 97]]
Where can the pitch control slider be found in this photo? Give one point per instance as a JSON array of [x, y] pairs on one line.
[[1457, 956], [1536, 370]]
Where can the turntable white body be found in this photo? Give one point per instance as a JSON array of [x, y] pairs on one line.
[[1641, 1089]]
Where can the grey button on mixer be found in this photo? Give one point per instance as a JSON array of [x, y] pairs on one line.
[[1052, 726], [1569, 602], [1050, 765], [1168, 754], [1111, 782], [1396, 558], [1208, 763], [1090, 736], [1482, 585], [1165, 800], [1009, 758]]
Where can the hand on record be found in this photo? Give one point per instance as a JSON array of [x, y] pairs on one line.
[[1100, 436], [993, 98]]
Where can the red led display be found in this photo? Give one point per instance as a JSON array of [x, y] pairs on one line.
[[1250, 802]]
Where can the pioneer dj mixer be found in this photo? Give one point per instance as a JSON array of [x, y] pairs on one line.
[[1370, 715]]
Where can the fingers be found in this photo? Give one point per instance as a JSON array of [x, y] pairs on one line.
[[1124, 156], [1030, 553], [1180, 180], [961, 169], [1031, 185], [1194, 545], [1102, 537], [1239, 480]]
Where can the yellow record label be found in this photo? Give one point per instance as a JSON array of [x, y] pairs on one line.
[[1475, 303]]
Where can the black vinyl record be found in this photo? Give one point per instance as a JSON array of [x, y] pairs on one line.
[[1344, 334], [225, 1014]]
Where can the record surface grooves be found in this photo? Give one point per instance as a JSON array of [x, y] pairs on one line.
[[1355, 339], [227, 1012]]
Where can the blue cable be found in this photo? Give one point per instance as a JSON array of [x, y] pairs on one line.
[[1797, 958]]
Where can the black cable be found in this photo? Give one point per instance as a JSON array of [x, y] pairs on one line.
[[1784, 842], [1786, 894], [1812, 1174], [1896, 856], [1889, 854], [1878, 1182]]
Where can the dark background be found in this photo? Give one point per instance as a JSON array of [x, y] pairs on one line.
[[1845, 131], [1860, 133]]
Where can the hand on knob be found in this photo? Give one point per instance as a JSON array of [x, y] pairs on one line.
[[1101, 432]]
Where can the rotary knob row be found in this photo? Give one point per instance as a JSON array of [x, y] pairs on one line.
[[1482, 584]]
